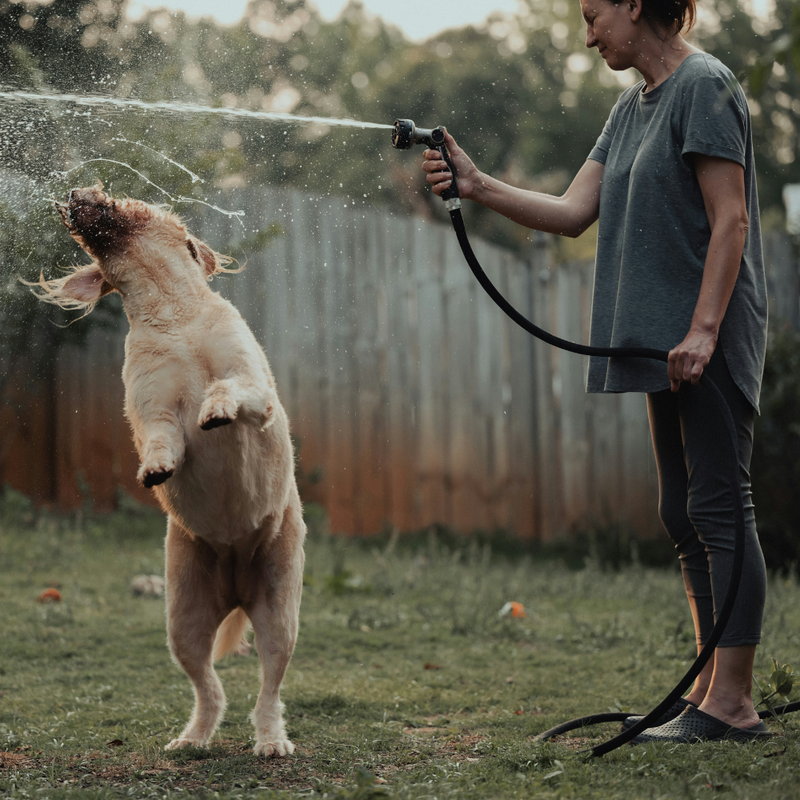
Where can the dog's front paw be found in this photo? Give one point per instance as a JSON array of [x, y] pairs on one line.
[[280, 747], [215, 422], [183, 741], [155, 473], [218, 409]]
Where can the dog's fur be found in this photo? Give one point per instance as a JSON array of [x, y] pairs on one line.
[[213, 440]]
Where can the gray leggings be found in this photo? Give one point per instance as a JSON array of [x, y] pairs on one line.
[[695, 504]]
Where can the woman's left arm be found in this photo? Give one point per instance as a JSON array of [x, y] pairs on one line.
[[722, 184]]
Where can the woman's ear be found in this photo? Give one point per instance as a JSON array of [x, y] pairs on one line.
[[635, 9]]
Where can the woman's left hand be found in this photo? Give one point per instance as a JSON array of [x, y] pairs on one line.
[[688, 360]]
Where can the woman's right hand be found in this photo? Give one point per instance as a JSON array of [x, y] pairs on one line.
[[439, 176]]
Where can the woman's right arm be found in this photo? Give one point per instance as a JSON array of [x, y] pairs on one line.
[[568, 215]]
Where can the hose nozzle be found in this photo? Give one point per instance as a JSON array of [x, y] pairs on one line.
[[405, 135]]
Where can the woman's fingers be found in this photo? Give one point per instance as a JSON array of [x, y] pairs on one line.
[[685, 366], [687, 361], [439, 176]]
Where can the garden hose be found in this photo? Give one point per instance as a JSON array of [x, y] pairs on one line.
[[733, 477], [404, 136]]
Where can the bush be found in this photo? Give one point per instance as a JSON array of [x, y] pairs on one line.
[[776, 453]]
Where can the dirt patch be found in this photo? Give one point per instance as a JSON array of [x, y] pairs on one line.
[[11, 761], [298, 772]]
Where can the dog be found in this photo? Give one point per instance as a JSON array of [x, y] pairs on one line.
[[213, 441]]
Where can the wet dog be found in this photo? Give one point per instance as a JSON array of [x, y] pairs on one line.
[[213, 441]]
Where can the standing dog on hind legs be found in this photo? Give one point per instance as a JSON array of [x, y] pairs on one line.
[[213, 440]]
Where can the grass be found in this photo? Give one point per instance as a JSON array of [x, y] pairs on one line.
[[405, 683]]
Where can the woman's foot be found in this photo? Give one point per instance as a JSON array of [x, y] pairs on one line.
[[694, 725], [736, 712]]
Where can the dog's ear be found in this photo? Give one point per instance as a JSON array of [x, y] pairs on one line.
[[82, 288], [204, 256], [86, 285]]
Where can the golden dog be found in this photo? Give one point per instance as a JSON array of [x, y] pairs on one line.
[[213, 439]]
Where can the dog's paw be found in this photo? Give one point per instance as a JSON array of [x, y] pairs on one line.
[[280, 747], [183, 741], [150, 476], [215, 422], [218, 409]]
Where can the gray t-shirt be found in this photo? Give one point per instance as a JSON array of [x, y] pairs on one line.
[[654, 231]]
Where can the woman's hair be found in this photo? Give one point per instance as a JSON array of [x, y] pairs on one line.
[[668, 15]]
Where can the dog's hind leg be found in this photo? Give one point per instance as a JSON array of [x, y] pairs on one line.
[[197, 602], [274, 615]]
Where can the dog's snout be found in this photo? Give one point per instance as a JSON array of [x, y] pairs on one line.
[[90, 213]]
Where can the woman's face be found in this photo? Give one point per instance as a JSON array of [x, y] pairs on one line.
[[611, 29]]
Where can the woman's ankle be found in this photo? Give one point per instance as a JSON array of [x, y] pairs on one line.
[[697, 695]]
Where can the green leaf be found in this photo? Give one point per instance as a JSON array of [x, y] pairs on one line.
[[782, 678]]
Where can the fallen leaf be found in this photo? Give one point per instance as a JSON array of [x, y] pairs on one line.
[[50, 596], [432, 666]]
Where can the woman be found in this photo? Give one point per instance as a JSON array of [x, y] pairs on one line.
[[679, 268]]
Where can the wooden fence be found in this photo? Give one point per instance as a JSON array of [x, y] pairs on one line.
[[414, 399]]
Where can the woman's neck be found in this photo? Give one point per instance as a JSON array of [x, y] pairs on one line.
[[658, 59]]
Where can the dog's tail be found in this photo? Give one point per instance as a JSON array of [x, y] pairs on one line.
[[232, 635]]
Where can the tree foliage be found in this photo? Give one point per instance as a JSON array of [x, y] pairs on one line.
[[522, 94]]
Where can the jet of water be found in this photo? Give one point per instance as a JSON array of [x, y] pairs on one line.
[[179, 199], [186, 108], [195, 178]]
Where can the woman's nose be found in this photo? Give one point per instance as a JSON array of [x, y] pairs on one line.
[[591, 39]]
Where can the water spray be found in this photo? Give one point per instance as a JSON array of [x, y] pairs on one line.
[[174, 107], [404, 136]]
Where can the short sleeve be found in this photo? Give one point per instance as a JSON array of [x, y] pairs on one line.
[[714, 119], [600, 150]]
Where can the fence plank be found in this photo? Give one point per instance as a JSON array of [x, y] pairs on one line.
[[342, 387]]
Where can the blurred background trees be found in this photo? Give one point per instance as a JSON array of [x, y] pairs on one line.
[[522, 94]]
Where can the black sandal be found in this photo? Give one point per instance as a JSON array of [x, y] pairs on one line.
[[677, 708], [694, 725]]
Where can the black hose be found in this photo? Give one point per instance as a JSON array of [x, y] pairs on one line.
[[734, 482]]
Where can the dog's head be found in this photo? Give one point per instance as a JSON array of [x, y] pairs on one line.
[[132, 245]]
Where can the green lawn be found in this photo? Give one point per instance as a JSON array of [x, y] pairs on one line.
[[403, 672]]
